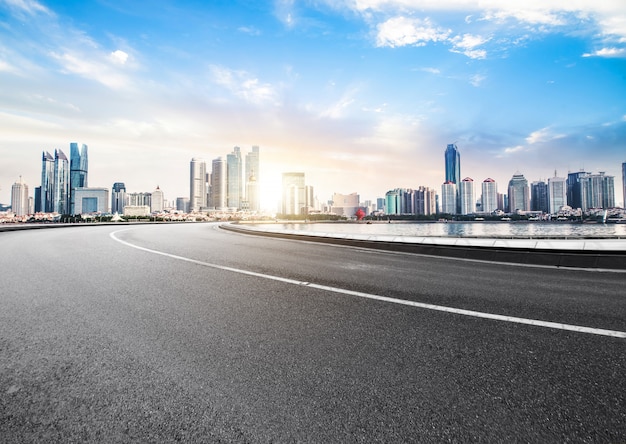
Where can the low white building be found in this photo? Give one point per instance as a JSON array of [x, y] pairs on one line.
[[91, 200]]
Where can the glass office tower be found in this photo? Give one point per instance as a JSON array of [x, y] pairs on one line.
[[78, 170]]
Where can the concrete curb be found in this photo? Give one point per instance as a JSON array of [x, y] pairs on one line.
[[606, 255]]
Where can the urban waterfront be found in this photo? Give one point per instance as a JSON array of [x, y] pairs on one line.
[[462, 229]]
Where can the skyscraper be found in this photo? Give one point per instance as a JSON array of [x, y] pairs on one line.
[[252, 186], [557, 193], [453, 164], [489, 197], [219, 188], [624, 183], [78, 170], [61, 184], [157, 203], [466, 193], [294, 193], [118, 198], [574, 189], [453, 170], [234, 178], [448, 198], [47, 182], [19, 198], [539, 196], [598, 191], [519, 195], [197, 185]]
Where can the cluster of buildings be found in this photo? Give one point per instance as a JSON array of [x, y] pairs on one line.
[[229, 186], [579, 192]]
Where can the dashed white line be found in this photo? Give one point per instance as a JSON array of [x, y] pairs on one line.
[[458, 311]]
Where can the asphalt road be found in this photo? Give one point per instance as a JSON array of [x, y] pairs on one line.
[[189, 333]]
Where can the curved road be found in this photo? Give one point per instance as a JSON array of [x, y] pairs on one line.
[[165, 333]]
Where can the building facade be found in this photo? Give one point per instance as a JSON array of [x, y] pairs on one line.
[[253, 177], [598, 191], [118, 198], [466, 194], [345, 204], [295, 199], [539, 196], [219, 185], [19, 199], [557, 194], [234, 179], [519, 194], [448, 198], [157, 204], [91, 200], [489, 198], [197, 185], [78, 171]]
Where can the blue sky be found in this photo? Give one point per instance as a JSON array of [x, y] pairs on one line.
[[361, 95]]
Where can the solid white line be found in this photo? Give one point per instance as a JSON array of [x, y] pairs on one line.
[[459, 311]]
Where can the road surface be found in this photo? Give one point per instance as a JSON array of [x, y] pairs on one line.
[[166, 333]]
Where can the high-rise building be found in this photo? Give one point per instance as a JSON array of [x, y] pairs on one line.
[[448, 198], [47, 183], [157, 203], [19, 198], [574, 189], [182, 204], [197, 185], [519, 193], [557, 193], [253, 199], [466, 193], [295, 199], [598, 191], [453, 170], [219, 187], [118, 197], [61, 184], [539, 196], [253, 186], [78, 170], [138, 200], [489, 199], [624, 183], [234, 164], [453, 164]]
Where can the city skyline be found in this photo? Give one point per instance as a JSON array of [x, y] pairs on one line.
[[361, 96]]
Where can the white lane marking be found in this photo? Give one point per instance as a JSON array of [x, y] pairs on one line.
[[459, 311]]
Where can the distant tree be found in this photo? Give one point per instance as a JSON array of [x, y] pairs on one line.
[[360, 214]]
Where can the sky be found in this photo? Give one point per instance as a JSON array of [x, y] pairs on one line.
[[361, 95]]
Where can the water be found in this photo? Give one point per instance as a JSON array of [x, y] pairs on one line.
[[464, 229]]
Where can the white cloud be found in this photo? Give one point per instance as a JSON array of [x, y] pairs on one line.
[[542, 135], [477, 80], [514, 149], [467, 44], [250, 30], [93, 68], [30, 7], [430, 70], [243, 85], [402, 31], [119, 57], [607, 52], [607, 16]]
